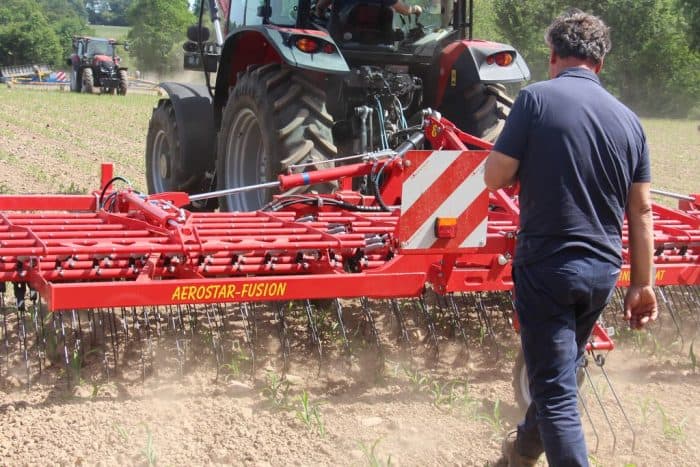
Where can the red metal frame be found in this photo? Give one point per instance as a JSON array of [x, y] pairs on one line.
[[146, 250]]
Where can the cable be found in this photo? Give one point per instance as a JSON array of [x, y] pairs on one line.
[[109, 184]]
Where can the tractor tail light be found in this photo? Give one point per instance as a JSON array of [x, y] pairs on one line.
[[500, 59], [446, 227], [306, 44]]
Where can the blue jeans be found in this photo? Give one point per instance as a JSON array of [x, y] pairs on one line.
[[558, 301]]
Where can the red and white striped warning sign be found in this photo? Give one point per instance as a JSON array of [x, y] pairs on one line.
[[445, 184]]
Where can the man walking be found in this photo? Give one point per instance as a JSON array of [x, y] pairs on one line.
[[582, 161]]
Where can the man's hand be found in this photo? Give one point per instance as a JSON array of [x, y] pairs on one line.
[[640, 306], [416, 10]]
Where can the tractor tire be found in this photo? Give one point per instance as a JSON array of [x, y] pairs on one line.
[[123, 83], [485, 116], [275, 117], [521, 385], [76, 81], [88, 82], [163, 150]]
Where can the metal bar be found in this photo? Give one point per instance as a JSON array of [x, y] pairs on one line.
[[671, 194]]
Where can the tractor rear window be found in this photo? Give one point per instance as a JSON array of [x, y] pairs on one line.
[[99, 48]]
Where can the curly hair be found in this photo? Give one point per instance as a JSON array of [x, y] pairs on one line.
[[578, 34]]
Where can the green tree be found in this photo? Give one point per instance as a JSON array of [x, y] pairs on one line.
[[157, 33], [691, 12], [67, 18], [26, 36], [650, 67]]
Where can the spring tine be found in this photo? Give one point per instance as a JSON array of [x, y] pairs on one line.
[[249, 333], [422, 307], [403, 337], [313, 330], [683, 301], [456, 318], [173, 320], [213, 334], [369, 319], [484, 318], [4, 324], [38, 330], [582, 400], [671, 311], [602, 406], [103, 345], [692, 302], [600, 362], [66, 357], [137, 332], [156, 313], [112, 324], [341, 325], [673, 300], [283, 334], [23, 341]]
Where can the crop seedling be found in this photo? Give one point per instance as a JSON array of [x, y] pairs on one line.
[[671, 431], [371, 456], [309, 414], [149, 451], [494, 419], [234, 366], [645, 409], [276, 391], [418, 381], [121, 431]]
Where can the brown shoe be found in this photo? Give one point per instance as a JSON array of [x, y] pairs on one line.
[[510, 457]]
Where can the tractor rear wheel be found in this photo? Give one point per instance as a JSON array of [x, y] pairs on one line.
[[276, 117], [123, 83], [484, 115], [163, 150], [88, 81]]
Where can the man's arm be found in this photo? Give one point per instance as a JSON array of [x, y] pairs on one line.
[[640, 300], [404, 9], [500, 170]]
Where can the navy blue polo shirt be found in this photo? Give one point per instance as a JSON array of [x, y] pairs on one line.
[[580, 149]]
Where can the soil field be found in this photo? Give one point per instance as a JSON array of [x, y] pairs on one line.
[[407, 408]]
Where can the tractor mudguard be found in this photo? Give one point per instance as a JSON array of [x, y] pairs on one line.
[[258, 45], [195, 125], [463, 63]]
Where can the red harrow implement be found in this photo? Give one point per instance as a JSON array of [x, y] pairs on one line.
[[117, 266]]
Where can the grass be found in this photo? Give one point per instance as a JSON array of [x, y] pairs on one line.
[[81, 131], [675, 155], [57, 140]]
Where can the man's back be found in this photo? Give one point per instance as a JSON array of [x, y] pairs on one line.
[[583, 149]]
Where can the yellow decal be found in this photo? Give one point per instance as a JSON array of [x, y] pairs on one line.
[[625, 275], [223, 292], [453, 78], [434, 131]]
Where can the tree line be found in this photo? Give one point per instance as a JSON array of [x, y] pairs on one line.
[[653, 65]]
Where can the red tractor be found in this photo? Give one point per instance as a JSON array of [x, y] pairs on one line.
[[95, 63], [293, 91]]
